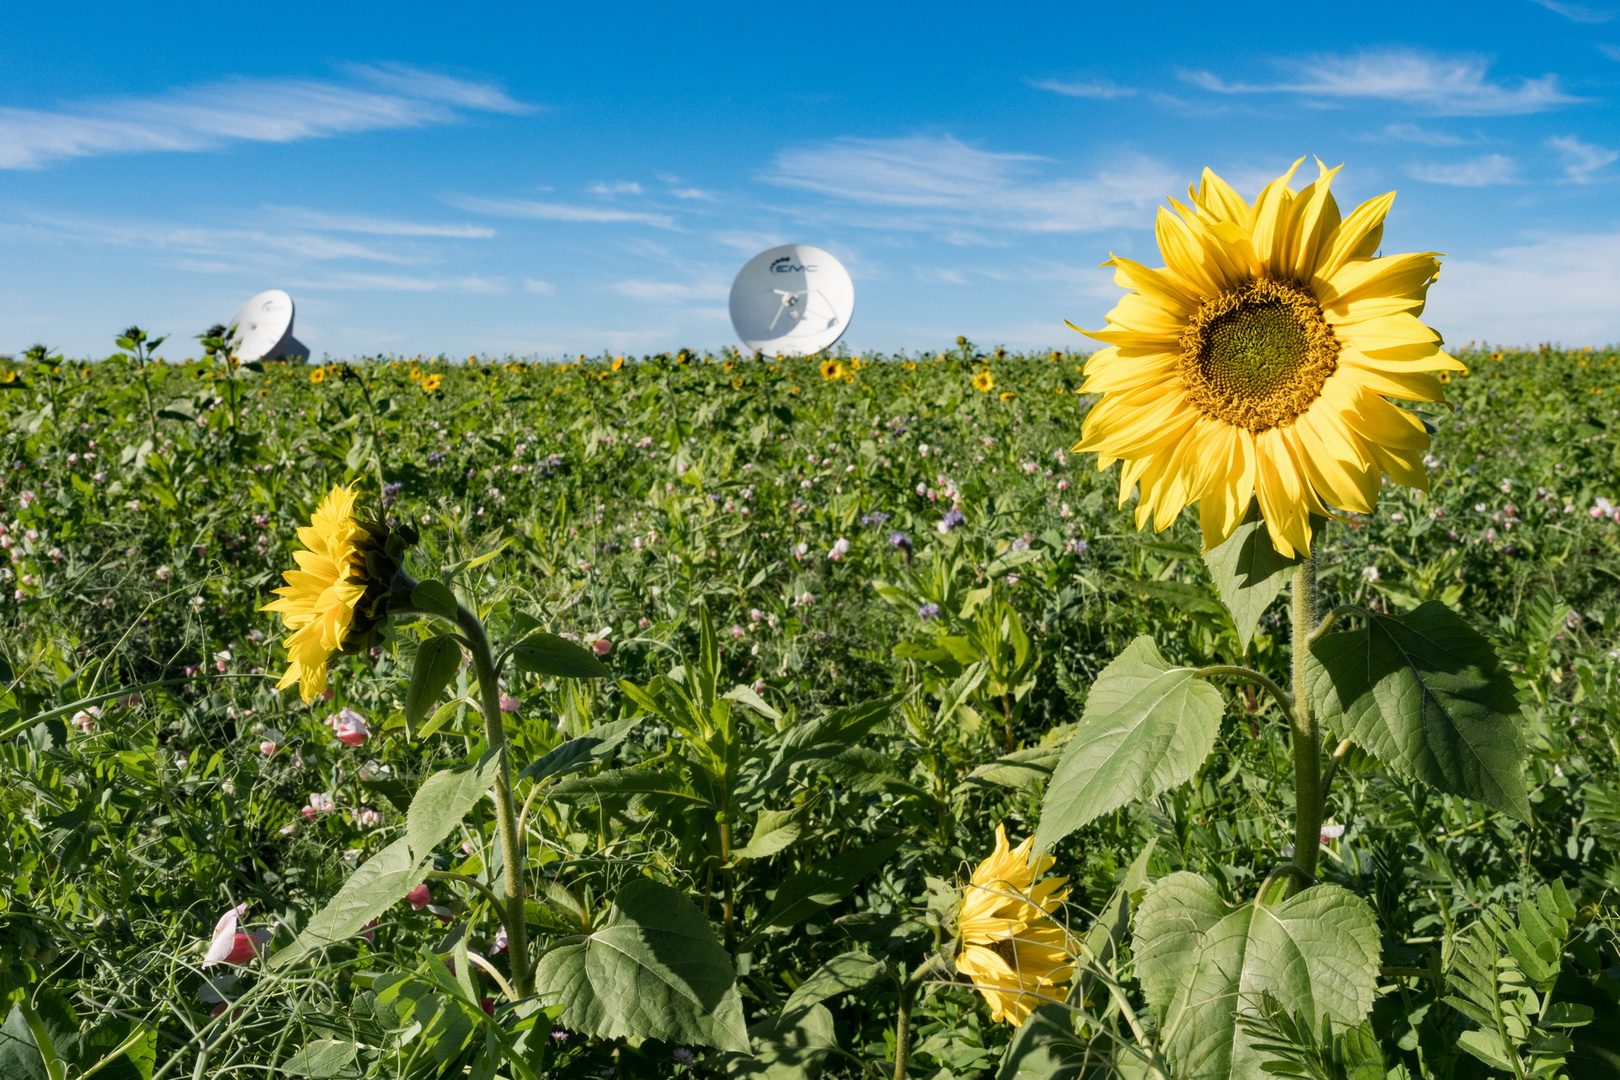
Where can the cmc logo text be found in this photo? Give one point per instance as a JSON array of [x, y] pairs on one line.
[[786, 265]]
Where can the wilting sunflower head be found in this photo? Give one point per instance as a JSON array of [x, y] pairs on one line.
[[1258, 363], [339, 593], [1009, 946]]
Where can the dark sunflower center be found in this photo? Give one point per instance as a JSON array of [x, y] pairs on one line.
[[1257, 355], [1004, 948]]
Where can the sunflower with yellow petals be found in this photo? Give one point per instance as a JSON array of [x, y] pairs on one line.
[[338, 593], [1259, 362], [984, 382], [1009, 946], [832, 370]]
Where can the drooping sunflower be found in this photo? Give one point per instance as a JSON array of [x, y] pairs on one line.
[[337, 594], [618, 362], [1009, 945], [1259, 362]]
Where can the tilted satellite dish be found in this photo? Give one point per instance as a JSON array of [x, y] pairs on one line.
[[263, 329], [792, 300]]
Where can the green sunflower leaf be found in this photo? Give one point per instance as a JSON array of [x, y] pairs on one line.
[[1202, 962], [1425, 694], [436, 662], [1147, 727], [654, 970], [1248, 573]]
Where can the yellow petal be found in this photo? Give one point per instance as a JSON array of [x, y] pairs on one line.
[[1357, 237]]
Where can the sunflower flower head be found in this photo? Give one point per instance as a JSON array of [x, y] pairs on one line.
[[831, 370], [1258, 363], [984, 382], [339, 593], [1009, 946]]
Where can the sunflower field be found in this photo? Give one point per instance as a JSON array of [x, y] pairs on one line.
[[718, 715]]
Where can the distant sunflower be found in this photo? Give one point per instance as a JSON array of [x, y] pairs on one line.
[[318, 376], [432, 382], [831, 370], [331, 600], [1259, 362], [984, 382], [1010, 948], [416, 374], [618, 362], [1008, 395]]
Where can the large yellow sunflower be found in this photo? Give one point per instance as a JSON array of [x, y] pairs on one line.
[[1259, 362], [1011, 949], [318, 603]]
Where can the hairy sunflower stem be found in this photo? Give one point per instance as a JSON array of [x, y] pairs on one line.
[[1308, 788], [489, 700], [1332, 617], [1238, 671], [902, 1023], [1332, 770]]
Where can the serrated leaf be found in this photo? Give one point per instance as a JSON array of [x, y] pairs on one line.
[[653, 970], [1020, 770], [1425, 694], [843, 974], [548, 654], [793, 1045], [589, 749], [1147, 727], [434, 597], [1046, 1047], [377, 885], [436, 662], [824, 884], [1201, 962], [1248, 573], [444, 799], [773, 831]]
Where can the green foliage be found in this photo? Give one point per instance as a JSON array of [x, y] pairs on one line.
[[1502, 974], [1425, 694], [1203, 963], [805, 755], [1147, 727]]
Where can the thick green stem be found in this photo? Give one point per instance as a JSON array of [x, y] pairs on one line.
[[489, 698], [1307, 741], [55, 1067], [902, 1023]]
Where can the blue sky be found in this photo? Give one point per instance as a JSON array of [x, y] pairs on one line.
[[540, 179]]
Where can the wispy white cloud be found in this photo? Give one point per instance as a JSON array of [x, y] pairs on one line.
[[552, 211], [693, 193], [1611, 51], [1482, 171], [214, 115], [1579, 13], [1444, 85], [1104, 89], [471, 283], [1556, 288], [245, 246], [1582, 159], [1423, 136], [673, 292], [944, 185], [623, 187], [318, 219], [539, 288]]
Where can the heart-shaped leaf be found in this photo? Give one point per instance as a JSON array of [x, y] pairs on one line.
[[1147, 727], [1201, 962]]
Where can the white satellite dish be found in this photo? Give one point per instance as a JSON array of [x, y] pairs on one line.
[[263, 329], [792, 300]]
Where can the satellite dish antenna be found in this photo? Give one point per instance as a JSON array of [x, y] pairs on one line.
[[262, 329], [791, 301]]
